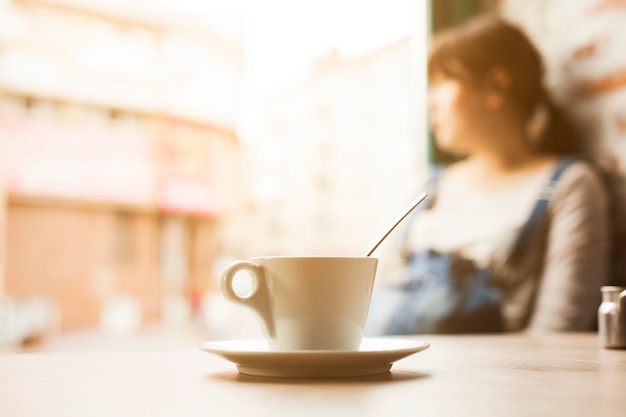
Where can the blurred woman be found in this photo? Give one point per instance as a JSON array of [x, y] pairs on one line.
[[490, 108]]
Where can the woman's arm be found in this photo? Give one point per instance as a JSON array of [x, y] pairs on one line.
[[576, 260]]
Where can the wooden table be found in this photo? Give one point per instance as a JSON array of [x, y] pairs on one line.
[[506, 375]]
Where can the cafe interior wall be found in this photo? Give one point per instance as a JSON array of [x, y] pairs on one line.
[[582, 42], [119, 158]]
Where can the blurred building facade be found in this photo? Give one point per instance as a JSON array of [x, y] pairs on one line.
[[120, 154], [126, 184], [356, 154]]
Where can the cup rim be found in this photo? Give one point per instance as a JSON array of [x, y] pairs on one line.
[[612, 288]]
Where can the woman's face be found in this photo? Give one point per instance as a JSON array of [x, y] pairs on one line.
[[457, 115]]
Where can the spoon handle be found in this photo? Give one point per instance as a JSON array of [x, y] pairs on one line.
[[401, 217]]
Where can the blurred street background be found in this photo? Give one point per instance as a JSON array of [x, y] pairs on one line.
[[145, 144]]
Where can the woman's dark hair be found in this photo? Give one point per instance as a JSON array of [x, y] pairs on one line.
[[470, 53]]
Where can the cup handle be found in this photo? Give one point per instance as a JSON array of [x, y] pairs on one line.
[[258, 300]]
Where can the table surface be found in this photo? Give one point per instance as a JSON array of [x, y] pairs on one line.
[[478, 375]]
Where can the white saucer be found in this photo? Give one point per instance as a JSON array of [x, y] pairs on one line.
[[375, 356]]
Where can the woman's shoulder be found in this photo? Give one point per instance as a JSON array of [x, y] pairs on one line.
[[583, 173], [583, 183]]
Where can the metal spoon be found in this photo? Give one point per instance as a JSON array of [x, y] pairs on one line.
[[405, 213]]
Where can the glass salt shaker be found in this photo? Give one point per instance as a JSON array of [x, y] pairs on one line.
[[612, 317]]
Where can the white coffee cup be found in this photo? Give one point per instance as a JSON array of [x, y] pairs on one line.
[[307, 302]]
